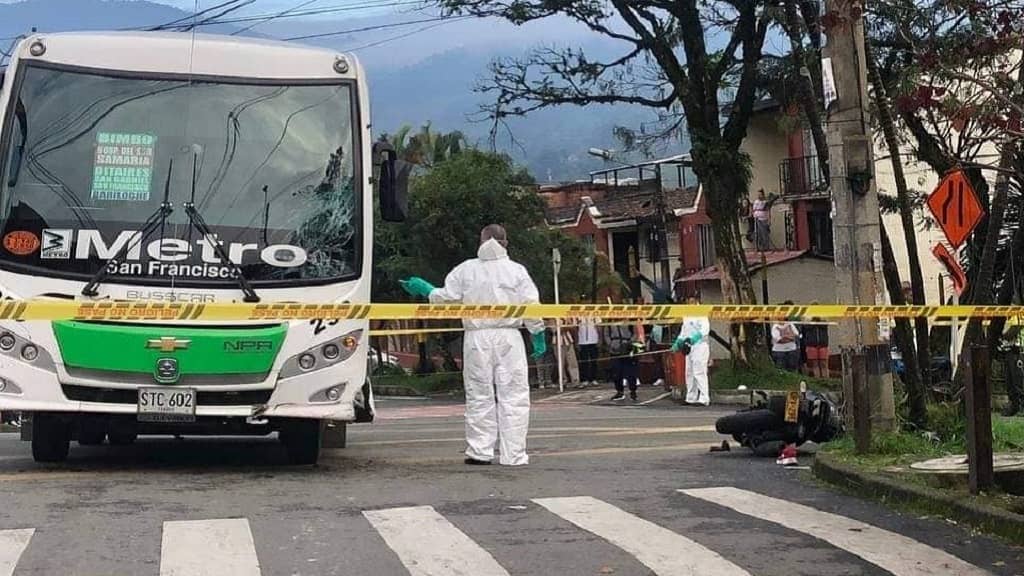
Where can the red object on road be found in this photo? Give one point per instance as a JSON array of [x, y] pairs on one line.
[[788, 456]]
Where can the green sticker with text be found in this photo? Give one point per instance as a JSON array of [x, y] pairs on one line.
[[123, 166]]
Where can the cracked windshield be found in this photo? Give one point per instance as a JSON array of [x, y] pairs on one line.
[[512, 287], [268, 167]]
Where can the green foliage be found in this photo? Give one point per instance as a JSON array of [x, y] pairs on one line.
[[948, 423], [449, 205], [949, 437], [426, 148], [726, 375]]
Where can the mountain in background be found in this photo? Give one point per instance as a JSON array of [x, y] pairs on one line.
[[416, 75]]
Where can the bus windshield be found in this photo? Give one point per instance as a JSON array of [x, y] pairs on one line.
[[89, 155]]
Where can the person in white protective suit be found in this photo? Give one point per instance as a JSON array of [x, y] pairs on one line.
[[693, 341], [494, 354]]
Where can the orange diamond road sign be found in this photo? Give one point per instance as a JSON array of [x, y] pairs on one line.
[[956, 207]]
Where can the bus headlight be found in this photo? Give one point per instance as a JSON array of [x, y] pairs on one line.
[[7, 341], [322, 355], [30, 352], [307, 361]]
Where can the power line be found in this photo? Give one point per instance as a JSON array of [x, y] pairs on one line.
[[280, 14], [318, 11], [406, 34], [188, 17], [369, 28], [212, 19]]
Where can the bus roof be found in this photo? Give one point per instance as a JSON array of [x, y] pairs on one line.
[[187, 53]]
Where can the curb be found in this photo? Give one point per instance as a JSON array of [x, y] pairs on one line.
[[877, 487]]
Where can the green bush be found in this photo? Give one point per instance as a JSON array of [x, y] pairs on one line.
[[947, 422], [727, 376]]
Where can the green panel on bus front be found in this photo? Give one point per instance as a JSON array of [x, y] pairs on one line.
[[199, 350]]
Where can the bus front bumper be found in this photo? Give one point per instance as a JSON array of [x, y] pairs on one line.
[[329, 394]]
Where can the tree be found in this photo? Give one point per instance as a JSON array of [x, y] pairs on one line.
[[448, 206], [426, 148], [667, 64], [954, 70]]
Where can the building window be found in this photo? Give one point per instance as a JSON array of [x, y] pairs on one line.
[[819, 224], [588, 241], [706, 238]]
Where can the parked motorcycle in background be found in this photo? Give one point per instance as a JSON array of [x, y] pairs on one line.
[[772, 422]]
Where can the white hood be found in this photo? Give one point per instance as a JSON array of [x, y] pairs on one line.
[[491, 250]]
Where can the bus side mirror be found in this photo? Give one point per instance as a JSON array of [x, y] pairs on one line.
[[392, 182]]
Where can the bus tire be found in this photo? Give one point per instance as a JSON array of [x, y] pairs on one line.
[[91, 433], [51, 438], [302, 440], [121, 437]]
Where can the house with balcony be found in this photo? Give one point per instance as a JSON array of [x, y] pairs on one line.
[[648, 218], [784, 163]]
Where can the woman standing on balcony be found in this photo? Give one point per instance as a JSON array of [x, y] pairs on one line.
[[762, 220]]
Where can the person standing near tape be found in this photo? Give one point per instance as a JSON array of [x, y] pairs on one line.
[[693, 341], [494, 363]]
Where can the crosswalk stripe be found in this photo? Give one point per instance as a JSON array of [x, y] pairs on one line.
[[12, 544], [429, 545], [893, 552], [660, 549], [222, 547]]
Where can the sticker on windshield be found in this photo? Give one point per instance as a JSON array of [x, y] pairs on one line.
[[56, 244], [21, 242], [123, 167]]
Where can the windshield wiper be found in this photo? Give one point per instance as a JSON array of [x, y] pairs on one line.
[[195, 219], [156, 220]]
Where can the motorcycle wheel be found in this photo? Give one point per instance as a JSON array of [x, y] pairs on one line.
[[748, 422]]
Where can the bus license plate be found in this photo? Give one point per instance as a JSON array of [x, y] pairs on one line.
[[167, 405]]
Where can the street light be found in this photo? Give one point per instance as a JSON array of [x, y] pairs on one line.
[[556, 267]]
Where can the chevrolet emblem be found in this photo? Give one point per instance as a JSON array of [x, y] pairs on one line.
[[168, 344]]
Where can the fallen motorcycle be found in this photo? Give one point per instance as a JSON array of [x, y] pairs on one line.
[[772, 422]]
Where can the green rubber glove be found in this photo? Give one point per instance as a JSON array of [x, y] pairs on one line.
[[695, 338], [540, 345], [417, 286], [679, 343]]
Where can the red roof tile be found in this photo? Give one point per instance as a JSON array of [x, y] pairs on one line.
[[753, 263]]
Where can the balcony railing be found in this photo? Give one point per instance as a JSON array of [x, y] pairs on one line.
[[802, 177]]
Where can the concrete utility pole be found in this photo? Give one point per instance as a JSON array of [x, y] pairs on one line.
[[856, 222]]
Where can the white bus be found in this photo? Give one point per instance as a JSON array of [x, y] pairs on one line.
[[192, 169]]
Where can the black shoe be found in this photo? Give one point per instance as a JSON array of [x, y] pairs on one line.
[[633, 397], [475, 462], [619, 396]]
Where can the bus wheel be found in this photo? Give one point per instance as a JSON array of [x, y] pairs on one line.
[[91, 432], [302, 439], [121, 437], [51, 438]]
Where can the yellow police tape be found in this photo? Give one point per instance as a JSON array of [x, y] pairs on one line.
[[229, 311]]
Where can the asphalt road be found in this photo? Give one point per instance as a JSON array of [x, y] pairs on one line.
[[602, 495]]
